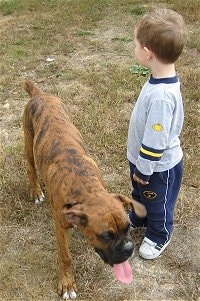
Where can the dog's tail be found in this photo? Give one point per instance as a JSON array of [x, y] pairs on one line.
[[31, 88]]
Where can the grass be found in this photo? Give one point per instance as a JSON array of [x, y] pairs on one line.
[[95, 73]]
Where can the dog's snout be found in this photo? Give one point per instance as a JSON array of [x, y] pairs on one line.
[[102, 254], [128, 247], [119, 254]]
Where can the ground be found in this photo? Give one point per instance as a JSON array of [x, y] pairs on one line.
[[92, 58]]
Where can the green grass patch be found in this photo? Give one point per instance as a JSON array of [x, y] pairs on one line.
[[140, 70], [138, 10], [85, 33], [122, 39]]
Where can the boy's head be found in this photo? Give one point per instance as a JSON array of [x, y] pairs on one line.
[[163, 32]]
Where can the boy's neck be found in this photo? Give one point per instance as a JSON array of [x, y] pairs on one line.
[[161, 70]]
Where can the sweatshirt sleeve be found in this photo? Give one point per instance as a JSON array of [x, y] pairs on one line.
[[155, 139]]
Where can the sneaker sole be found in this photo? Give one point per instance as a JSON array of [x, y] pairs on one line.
[[153, 256]]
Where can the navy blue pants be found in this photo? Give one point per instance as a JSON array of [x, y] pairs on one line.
[[159, 197]]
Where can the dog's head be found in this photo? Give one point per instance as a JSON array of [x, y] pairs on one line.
[[106, 225]]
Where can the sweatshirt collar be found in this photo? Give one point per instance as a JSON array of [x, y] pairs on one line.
[[167, 80]]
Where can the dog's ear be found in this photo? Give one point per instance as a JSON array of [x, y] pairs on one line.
[[138, 208], [75, 217]]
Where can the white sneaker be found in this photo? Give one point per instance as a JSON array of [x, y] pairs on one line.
[[150, 249]]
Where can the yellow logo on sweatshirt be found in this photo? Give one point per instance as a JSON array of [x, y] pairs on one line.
[[157, 127]]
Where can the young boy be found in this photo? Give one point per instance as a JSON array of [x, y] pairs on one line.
[[153, 150]]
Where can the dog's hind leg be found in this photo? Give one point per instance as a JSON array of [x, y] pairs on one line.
[[35, 188]]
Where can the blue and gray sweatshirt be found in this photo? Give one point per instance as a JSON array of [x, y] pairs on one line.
[[155, 125]]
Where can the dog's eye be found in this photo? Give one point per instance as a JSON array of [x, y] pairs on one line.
[[107, 236]]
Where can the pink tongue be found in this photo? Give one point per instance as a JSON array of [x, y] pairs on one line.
[[123, 272]]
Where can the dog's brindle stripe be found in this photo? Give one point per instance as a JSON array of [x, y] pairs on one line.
[[36, 111], [42, 132]]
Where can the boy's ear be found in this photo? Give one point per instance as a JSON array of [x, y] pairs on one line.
[[149, 53]]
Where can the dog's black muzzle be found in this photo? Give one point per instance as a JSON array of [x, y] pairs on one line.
[[118, 254]]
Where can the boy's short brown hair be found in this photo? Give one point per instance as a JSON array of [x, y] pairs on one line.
[[162, 31]]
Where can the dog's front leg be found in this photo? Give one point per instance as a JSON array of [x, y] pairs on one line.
[[66, 284]]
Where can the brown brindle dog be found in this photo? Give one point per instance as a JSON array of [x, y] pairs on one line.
[[75, 188]]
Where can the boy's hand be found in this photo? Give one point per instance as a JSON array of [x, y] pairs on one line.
[[140, 181]]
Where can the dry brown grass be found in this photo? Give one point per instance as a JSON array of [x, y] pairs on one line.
[[92, 46]]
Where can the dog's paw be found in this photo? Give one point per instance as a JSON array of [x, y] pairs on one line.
[[69, 295], [67, 288], [40, 198]]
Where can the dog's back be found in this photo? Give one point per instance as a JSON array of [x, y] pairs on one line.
[[54, 139]]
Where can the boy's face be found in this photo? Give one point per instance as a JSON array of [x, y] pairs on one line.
[[141, 54]]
